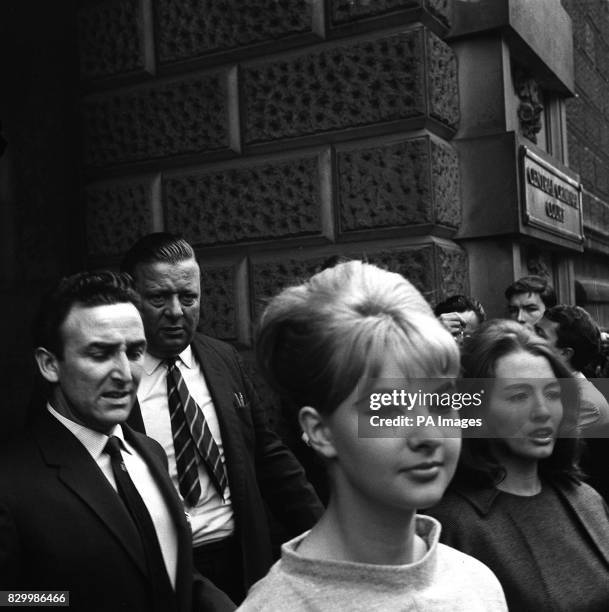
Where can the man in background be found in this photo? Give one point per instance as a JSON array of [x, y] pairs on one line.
[[577, 338], [460, 315], [528, 298], [197, 401]]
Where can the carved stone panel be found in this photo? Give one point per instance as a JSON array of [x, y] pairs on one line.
[[218, 317], [170, 118], [110, 38], [118, 213], [277, 199], [191, 28], [350, 85], [346, 11], [408, 183], [531, 104]]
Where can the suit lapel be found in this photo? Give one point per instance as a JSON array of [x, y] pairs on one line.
[[222, 394], [81, 475], [176, 510], [588, 515]]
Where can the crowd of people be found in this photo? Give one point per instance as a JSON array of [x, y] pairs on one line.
[[150, 480]]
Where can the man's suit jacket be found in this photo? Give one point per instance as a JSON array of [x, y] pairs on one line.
[[64, 527], [258, 464]]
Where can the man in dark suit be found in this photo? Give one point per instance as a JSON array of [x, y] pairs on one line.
[[196, 400], [86, 505]]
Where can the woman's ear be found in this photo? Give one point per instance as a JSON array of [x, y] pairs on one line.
[[47, 364], [316, 432]]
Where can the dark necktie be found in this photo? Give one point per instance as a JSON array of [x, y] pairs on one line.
[[163, 596], [191, 436]]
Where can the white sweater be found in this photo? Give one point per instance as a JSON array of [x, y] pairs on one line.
[[444, 580]]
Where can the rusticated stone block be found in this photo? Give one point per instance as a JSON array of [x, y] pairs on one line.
[[385, 186], [442, 81], [350, 85], [269, 278], [218, 302], [110, 38], [452, 270], [345, 11], [117, 215], [445, 179], [409, 183], [191, 28], [184, 116], [274, 200], [414, 264], [437, 271]]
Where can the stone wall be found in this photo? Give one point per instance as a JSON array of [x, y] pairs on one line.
[[273, 134], [588, 115]]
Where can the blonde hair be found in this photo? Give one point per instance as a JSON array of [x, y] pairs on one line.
[[316, 341]]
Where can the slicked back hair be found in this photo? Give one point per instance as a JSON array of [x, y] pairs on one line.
[[577, 330], [157, 247], [86, 289]]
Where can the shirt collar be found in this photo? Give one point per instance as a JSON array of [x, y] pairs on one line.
[[93, 441], [151, 363]]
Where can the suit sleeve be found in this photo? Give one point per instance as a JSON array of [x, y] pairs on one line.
[[281, 478], [207, 597]]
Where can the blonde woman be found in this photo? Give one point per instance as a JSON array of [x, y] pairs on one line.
[[327, 345]]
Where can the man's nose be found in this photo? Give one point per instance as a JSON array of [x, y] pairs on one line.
[[173, 307], [122, 367]]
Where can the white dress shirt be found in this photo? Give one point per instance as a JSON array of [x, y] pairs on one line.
[[138, 470], [211, 519]]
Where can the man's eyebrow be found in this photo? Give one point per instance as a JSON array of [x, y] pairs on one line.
[[101, 345]]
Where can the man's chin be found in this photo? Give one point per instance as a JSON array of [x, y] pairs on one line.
[[170, 347]]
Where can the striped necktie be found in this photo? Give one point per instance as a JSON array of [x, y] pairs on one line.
[[191, 436]]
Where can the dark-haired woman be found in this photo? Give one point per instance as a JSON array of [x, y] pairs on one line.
[[517, 502]]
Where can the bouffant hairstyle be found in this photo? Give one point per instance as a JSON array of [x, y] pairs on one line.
[[318, 340]]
